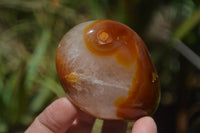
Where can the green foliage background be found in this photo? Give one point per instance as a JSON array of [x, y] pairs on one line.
[[30, 31]]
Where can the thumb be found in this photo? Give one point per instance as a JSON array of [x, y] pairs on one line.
[[145, 125], [56, 118]]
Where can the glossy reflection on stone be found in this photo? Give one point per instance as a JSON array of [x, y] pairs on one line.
[[106, 70]]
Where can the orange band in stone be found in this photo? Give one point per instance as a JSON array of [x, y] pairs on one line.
[[110, 38]]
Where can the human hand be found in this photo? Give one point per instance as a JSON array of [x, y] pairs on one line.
[[61, 117]]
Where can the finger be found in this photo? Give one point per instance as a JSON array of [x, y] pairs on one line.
[[82, 124], [56, 118], [145, 125], [112, 126]]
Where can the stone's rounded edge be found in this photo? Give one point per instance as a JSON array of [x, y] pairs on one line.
[[82, 108]]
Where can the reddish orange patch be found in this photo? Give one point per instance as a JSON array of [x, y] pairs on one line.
[[110, 38], [143, 96]]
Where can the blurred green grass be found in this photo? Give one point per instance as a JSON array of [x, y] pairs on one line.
[[30, 31]]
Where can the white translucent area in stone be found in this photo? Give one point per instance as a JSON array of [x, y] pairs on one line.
[[101, 80]]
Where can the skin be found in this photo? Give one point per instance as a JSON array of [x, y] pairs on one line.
[[63, 117]]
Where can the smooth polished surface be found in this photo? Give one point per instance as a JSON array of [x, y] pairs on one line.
[[106, 70]]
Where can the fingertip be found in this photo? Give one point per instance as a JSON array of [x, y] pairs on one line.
[[57, 117], [145, 125], [64, 105]]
